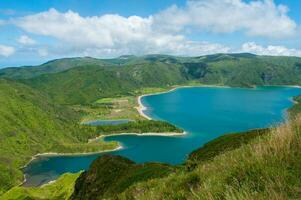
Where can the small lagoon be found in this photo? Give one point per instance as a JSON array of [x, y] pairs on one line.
[[203, 112], [107, 122]]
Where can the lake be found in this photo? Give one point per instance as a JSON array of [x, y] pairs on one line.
[[203, 112], [107, 122]]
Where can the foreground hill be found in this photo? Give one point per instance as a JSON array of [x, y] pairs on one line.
[[29, 124], [255, 165], [258, 164], [84, 80]]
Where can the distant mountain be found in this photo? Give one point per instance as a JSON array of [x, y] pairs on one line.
[[52, 66], [83, 80]]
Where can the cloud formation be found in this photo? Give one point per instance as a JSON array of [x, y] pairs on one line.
[[25, 40], [165, 32], [6, 51], [111, 34], [255, 18], [252, 47]]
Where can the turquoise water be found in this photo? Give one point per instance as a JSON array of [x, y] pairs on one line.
[[204, 113], [107, 122]]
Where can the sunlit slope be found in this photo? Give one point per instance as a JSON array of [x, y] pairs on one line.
[[29, 124], [89, 81], [86, 84]]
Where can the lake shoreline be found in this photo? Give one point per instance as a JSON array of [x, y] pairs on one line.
[[167, 134], [140, 108], [51, 154]]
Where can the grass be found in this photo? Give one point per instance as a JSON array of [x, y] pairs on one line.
[[221, 145], [111, 175], [267, 168], [259, 164], [296, 108], [110, 109], [59, 190]]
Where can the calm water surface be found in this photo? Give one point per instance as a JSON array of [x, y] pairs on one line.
[[204, 113], [107, 122]]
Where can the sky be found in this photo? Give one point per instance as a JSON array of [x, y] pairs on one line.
[[35, 31]]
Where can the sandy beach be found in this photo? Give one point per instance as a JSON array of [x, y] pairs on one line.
[[141, 134]]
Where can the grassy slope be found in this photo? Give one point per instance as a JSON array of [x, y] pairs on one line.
[[267, 168], [110, 175], [59, 190], [29, 124], [128, 173], [97, 182]]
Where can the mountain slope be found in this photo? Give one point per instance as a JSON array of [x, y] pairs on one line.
[[84, 80], [50, 67], [86, 84], [29, 124], [267, 168], [109, 176]]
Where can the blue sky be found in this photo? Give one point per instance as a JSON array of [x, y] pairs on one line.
[[34, 31]]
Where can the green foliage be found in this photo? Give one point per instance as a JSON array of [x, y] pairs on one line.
[[111, 175], [296, 108], [85, 80], [268, 167], [29, 124], [221, 145], [50, 67], [61, 189], [142, 126], [86, 84]]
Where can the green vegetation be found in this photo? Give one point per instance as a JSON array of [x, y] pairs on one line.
[[85, 80], [59, 190], [121, 179], [266, 168], [296, 108], [221, 145], [111, 175], [41, 112], [50, 67], [126, 173], [30, 123], [87, 84], [145, 126], [110, 109]]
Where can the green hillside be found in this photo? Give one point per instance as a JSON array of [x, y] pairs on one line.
[[84, 80], [53, 66], [61, 189], [87, 84], [260, 164], [267, 168], [110, 175], [29, 124]]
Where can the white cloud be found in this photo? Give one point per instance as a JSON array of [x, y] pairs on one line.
[[255, 18], [6, 50], [25, 40], [252, 47], [165, 32], [111, 34]]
